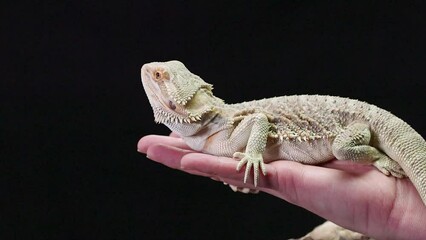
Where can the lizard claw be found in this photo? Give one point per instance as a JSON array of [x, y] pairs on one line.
[[251, 160]]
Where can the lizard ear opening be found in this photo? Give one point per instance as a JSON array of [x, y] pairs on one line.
[[172, 106]]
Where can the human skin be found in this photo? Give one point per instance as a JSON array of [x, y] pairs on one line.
[[354, 196]]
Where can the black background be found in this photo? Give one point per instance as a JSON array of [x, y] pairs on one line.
[[73, 106]]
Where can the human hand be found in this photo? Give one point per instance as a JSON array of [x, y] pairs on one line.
[[354, 196]]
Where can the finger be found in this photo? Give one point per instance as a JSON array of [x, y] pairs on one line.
[[146, 141], [174, 134], [193, 162], [167, 155], [211, 165], [173, 157]]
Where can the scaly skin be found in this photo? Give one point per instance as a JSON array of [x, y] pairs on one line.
[[310, 129]]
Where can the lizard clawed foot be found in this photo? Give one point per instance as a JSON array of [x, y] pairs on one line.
[[254, 160], [241, 189], [389, 167]]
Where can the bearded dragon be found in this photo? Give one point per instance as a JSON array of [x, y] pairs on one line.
[[309, 129]]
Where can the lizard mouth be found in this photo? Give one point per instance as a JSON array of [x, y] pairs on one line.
[[153, 92]]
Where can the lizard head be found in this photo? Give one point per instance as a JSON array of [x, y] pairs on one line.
[[176, 94]]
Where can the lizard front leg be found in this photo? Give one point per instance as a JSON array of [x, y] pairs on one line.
[[257, 127]]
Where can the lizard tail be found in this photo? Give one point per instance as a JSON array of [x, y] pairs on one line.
[[409, 150], [404, 145], [415, 168]]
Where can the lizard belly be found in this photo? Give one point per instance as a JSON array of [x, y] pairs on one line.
[[307, 152]]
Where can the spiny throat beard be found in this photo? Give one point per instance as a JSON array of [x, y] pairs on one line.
[[200, 104]]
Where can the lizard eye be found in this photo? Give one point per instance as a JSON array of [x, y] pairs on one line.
[[161, 75]]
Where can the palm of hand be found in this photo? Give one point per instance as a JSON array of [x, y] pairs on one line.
[[354, 196]]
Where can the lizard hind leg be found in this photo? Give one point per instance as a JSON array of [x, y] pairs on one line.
[[354, 144]]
